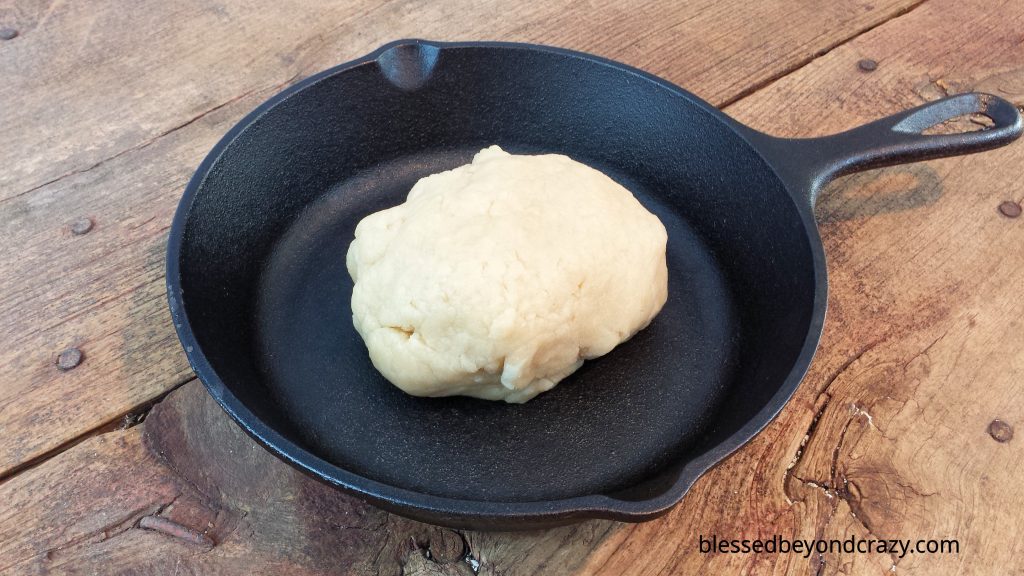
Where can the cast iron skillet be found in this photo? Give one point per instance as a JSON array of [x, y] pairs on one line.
[[260, 297]]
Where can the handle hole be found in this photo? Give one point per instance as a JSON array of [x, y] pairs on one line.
[[975, 122], [955, 115]]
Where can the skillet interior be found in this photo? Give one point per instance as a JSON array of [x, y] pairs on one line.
[[264, 287]]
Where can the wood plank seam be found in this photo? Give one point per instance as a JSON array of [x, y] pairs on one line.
[[128, 419]]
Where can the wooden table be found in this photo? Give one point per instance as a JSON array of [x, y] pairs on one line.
[[121, 464]]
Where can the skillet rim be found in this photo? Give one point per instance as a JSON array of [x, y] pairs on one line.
[[457, 512]]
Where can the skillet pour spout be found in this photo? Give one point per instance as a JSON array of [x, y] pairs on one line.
[[259, 294]]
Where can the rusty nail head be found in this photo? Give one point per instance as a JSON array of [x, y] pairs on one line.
[[175, 530], [1010, 209], [8, 33], [867, 65], [1000, 431], [81, 226], [69, 358]]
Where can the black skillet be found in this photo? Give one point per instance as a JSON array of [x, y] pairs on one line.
[[260, 296]]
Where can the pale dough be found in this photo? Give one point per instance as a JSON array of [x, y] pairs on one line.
[[499, 278]]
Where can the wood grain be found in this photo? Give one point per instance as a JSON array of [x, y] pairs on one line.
[[121, 78], [107, 111], [887, 437], [192, 494]]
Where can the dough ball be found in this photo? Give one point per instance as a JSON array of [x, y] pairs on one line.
[[499, 278]]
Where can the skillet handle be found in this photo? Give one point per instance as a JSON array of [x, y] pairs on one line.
[[810, 163]]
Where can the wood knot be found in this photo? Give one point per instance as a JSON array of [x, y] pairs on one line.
[[446, 546]]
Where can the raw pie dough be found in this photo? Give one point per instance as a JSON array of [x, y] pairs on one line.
[[499, 278]]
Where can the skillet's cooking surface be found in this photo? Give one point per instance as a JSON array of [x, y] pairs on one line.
[[614, 422]]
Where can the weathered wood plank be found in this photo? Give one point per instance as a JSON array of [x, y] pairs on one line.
[[226, 506], [107, 111]]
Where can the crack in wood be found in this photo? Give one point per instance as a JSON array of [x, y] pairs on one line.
[[384, 544], [825, 393], [924, 351], [803, 444], [821, 566], [834, 465], [856, 510]]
